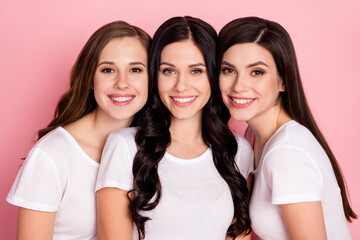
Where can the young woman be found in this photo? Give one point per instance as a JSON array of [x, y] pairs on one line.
[[299, 192], [55, 186], [179, 173]]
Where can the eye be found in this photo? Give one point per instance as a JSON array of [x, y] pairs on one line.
[[257, 72], [107, 70], [168, 71], [197, 71], [227, 70], [135, 70]]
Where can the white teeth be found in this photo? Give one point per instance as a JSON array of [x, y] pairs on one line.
[[242, 101], [184, 100], [121, 99]]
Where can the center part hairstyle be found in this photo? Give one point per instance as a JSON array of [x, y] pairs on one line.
[[153, 136], [79, 100], [273, 37]]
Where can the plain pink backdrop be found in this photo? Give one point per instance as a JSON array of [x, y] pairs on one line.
[[40, 41]]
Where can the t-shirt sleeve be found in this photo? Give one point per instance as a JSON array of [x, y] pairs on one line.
[[244, 157], [116, 164], [37, 185], [292, 175]]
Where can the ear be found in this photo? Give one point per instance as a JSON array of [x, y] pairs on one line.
[[281, 85]]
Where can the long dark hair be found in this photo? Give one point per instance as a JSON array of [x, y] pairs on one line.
[[277, 41], [79, 100], [153, 136]]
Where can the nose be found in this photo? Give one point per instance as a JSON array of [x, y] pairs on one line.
[[181, 84], [240, 83], [121, 81]]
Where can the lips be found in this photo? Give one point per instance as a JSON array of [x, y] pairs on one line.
[[241, 102], [183, 101], [121, 99]]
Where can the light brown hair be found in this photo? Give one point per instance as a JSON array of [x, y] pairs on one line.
[[79, 100]]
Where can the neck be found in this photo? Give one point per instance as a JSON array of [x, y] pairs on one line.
[[186, 138], [266, 124], [102, 125], [187, 131]]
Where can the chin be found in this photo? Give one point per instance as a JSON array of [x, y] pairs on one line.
[[239, 117]]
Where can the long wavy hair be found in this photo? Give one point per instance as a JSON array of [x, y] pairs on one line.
[[273, 37], [153, 136], [79, 100]]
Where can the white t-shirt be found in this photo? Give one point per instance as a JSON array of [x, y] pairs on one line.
[[196, 202], [294, 168], [58, 176]]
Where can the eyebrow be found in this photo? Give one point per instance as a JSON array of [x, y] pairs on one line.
[[257, 63], [197, 64], [112, 63], [192, 65], [227, 63], [248, 66]]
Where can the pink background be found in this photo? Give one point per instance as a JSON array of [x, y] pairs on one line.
[[40, 41]]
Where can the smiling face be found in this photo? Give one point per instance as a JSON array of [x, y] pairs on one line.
[[183, 82], [249, 82], [121, 79]]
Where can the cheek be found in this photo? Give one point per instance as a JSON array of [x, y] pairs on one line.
[[204, 85], [97, 88], [163, 85], [141, 85], [161, 90], [268, 89], [224, 84], [97, 93], [101, 83], [144, 91]]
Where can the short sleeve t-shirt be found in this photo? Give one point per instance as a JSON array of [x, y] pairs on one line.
[[58, 176], [294, 168], [196, 202]]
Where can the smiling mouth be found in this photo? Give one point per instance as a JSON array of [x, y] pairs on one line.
[[183, 100], [242, 100], [122, 99]]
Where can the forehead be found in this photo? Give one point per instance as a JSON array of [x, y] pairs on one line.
[[248, 53], [122, 47], [182, 50]]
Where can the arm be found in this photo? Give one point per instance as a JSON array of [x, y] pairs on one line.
[[114, 218], [304, 220], [297, 183], [35, 225]]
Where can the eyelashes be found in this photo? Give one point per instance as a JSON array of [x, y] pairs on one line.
[[132, 70], [169, 71], [197, 71], [107, 70], [254, 73], [257, 72], [227, 70], [136, 70]]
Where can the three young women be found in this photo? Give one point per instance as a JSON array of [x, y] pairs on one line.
[[55, 185], [180, 174], [299, 191]]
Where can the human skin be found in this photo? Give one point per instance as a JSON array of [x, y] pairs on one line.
[[122, 71], [250, 88]]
